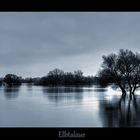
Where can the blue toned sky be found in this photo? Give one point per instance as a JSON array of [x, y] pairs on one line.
[[33, 43]]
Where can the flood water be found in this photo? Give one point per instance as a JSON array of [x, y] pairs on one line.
[[37, 106]]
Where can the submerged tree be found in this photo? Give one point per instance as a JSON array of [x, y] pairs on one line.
[[122, 70]]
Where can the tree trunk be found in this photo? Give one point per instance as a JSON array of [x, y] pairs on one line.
[[122, 89], [133, 91], [123, 92]]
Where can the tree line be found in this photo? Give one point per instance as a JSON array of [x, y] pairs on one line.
[[55, 77]]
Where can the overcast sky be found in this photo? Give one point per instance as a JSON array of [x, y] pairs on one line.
[[33, 43]]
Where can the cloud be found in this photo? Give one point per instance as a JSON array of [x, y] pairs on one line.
[[34, 43]]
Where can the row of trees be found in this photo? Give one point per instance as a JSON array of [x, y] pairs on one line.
[[59, 77], [55, 77]]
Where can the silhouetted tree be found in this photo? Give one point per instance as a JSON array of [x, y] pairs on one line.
[[12, 79], [87, 80], [36, 80], [78, 77], [58, 77], [68, 79], [1, 80], [55, 77], [27, 80], [123, 70]]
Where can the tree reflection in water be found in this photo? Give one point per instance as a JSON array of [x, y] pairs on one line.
[[11, 92], [29, 87], [123, 112], [57, 94]]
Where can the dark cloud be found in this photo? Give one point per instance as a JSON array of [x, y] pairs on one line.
[[34, 43]]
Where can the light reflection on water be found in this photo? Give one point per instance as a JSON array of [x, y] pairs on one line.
[[29, 105]]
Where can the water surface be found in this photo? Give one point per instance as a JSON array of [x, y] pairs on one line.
[[37, 106]]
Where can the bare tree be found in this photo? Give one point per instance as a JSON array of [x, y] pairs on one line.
[[123, 70]]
